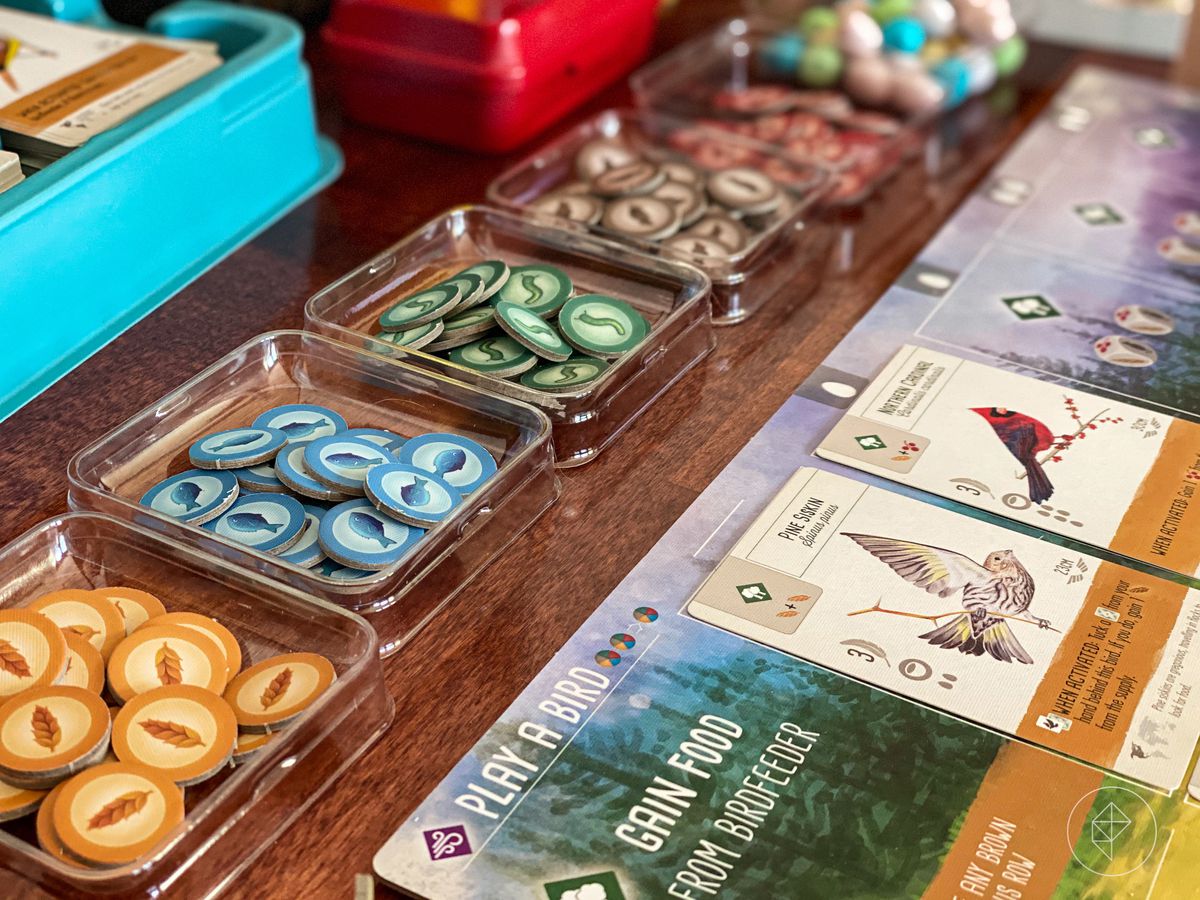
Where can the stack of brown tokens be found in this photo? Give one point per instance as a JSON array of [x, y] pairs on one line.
[[107, 783]]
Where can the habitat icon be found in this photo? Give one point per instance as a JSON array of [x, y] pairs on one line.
[[601, 886], [753, 593], [444, 843]]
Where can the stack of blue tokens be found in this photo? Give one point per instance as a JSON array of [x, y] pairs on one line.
[[301, 485]]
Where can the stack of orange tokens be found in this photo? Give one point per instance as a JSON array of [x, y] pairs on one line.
[[107, 783]]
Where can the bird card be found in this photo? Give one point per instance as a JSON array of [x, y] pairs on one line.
[[1063, 650], [1083, 466]]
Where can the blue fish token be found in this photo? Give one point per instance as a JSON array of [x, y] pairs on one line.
[[260, 478], [291, 470], [307, 552], [342, 462], [271, 523], [460, 462], [412, 495], [375, 435], [335, 570], [302, 421], [236, 448], [195, 496], [358, 535]]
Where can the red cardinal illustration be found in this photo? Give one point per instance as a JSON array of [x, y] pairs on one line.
[[1025, 437]]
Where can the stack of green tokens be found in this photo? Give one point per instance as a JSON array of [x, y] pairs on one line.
[[521, 323]]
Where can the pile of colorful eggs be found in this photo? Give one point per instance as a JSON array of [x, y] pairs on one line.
[[911, 55]]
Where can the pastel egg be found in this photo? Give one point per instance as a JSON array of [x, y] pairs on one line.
[[860, 34], [938, 16], [868, 80], [819, 25], [905, 35], [781, 55], [916, 93], [1125, 351], [981, 70], [1010, 55], [955, 78], [885, 11], [821, 66]]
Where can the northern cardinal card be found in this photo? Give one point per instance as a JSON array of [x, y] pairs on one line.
[[1103, 472], [1066, 651]]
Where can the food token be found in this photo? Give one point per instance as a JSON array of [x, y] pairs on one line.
[[159, 655], [497, 355], [16, 802], [290, 467], [467, 324], [336, 571], [634, 179], [248, 744], [687, 200], [573, 207], [647, 218], [565, 376], [694, 245], [116, 812], [602, 326], [470, 288], [49, 733], [195, 496], [33, 651], [269, 523], [86, 613], [85, 665], [230, 650], [272, 693], [342, 463], [413, 338], [746, 190], [540, 289], [307, 551], [412, 495], [380, 436], [44, 827], [236, 448], [302, 421], [185, 732], [460, 462], [358, 535], [136, 606], [723, 230], [421, 307], [533, 332], [259, 479], [598, 156], [494, 273], [682, 173]]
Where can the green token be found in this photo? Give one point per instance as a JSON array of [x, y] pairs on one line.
[[471, 287], [494, 273], [533, 331], [602, 326], [464, 327], [423, 306], [497, 355], [540, 289], [413, 338], [565, 376]]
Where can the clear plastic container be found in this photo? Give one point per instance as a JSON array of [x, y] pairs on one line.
[[690, 80], [790, 253], [673, 298], [233, 816], [282, 367]]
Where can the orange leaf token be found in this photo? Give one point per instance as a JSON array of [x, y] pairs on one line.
[[33, 651], [115, 813], [270, 694], [84, 613], [157, 656], [16, 802], [185, 732], [134, 606], [248, 744], [85, 665], [49, 733], [211, 628], [47, 836]]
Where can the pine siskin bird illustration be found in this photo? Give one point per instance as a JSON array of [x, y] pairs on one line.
[[1025, 437], [1000, 585]]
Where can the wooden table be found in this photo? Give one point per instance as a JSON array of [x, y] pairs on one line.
[[446, 685]]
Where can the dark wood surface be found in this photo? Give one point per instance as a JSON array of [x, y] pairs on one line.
[[445, 684]]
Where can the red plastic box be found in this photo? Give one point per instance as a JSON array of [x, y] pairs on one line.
[[488, 85]]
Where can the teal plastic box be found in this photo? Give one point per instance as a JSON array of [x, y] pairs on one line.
[[101, 237]]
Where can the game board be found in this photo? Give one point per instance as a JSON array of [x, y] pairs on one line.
[[713, 729]]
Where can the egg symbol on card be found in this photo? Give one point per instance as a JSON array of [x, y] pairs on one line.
[[1125, 351], [1144, 320], [1178, 251]]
